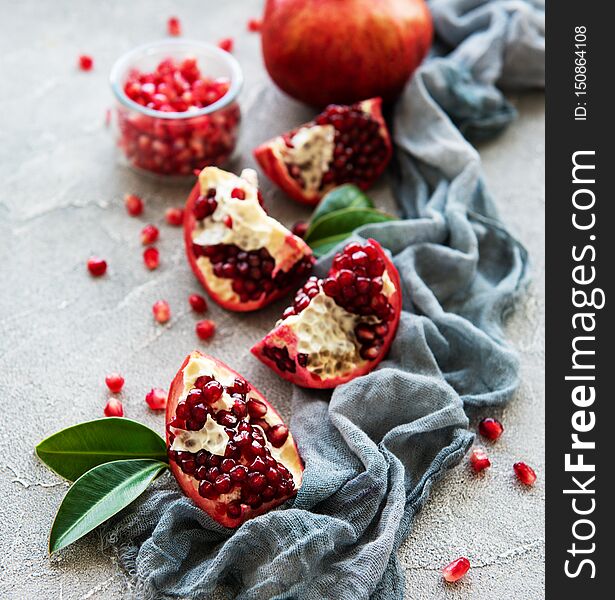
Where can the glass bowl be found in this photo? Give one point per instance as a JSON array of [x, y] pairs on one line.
[[176, 143]]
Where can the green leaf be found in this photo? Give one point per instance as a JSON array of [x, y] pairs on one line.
[[98, 495], [75, 450], [344, 196], [341, 223]]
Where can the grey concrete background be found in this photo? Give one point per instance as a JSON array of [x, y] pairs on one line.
[[62, 331]]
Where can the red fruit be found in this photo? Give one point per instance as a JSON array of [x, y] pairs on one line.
[[134, 204], [344, 50], [156, 399], [456, 570], [151, 258], [176, 146], [490, 428], [255, 25], [299, 229], [340, 327], [174, 216], [86, 62], [252, 263], [114, 408], [205, 329], [149, 234], [525, 474], [198, 303], [162, 311], [479, 460], [174, 26], [97, 266], [226, 44], [115, 382], [344, 144], [239, 478]]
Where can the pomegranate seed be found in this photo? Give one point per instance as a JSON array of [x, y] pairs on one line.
[[228, 221], [151, 258], [233, 510], [278, 435], [97, 266], [212, 392], [114, 408], [525, 474], [238, 193], [115, 382], [490, 428], [86, 62], [174, 26], [149, 234], [226, 44], [254, 25], [299, 228], [198, 303], [162, 311], [133, 204], [205, 329], [456, 570], [256, 408], [156, 399], [479, 460], [174, 216]]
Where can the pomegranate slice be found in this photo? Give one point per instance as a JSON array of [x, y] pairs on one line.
[[244, 258], [230, 466], [343, 144], [339, 327]]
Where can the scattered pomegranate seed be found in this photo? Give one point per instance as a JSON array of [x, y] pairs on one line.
[[156, 399], [134, 204], [226, 44], [114, 408], [162, 311], [299, 228], [151, 258], [254, 25], [525, 474], [174, 26], [490, 428], [198, 303], [97, 266], [115, 382], [479, 460], [174, 216], [456, 570], [205, 329], [86, 62], [149, 234]]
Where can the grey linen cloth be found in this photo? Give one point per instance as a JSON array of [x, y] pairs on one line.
[[375, 446]]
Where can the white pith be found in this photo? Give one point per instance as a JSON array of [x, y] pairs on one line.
[[251, 227], [199, 365], [212, 437], [312, 152], [325, 332]]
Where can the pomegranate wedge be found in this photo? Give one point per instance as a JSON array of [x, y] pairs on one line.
[[244, 258], [343, 144], [339, 327], [228, 448]]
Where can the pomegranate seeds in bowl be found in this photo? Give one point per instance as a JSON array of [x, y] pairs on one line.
[[174, 118], [243, 258], [339, 327], [343, 144], [228, 448]]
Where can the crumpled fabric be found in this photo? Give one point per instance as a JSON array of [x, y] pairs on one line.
[[375, 446]]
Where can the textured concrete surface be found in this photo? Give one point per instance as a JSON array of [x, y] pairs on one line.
[[61, 331]]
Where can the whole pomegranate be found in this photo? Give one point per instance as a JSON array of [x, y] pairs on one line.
[[343, 51]]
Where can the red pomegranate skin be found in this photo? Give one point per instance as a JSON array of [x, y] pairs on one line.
[[343, 51]]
